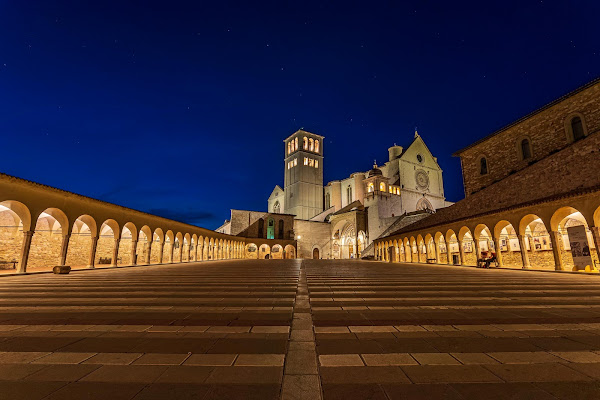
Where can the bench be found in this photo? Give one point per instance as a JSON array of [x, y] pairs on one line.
[[8, 264], [431, 260]]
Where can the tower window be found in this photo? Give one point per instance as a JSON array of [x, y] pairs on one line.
[[316, 146], [305, 143], [295, 162], [311, 144], [327, 201], [483, 166], [305, 160], [296, 143], [349, 194], [525, 149], [289, 147], [577, 129], [316, 163], [382, 187], [370, 187]]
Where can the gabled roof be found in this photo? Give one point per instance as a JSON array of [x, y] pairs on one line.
[[303, 131], [576, 166], [276, 188], [416, 139], [531, 114]]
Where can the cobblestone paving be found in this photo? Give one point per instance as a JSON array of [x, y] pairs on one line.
[[300, 330]]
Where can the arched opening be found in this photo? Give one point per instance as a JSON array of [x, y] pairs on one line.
[[271, 228], [360, 245], [83, 234], [277, 252], [264, 252], [424, 205], [327, 201], [483, 166], [127, 254], [538, 243], [261, 228], [107, 243], [194, 248], [525, 149], [277, 207], [575, 241], [316, 254], [349, 194], [200, 249], [207, 249], [15, 221], [508, 246], [453, 248], [484, 242], [144, 245], [280, 229], [290, 252], [49, 241], [251, 251], [465, 238], [169, 247], [157, 251], [441, 248], [577, 128]]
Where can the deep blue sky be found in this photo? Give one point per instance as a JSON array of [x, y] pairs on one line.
[[181, 108]]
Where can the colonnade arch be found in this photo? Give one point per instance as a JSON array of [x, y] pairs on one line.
[[538, 237]]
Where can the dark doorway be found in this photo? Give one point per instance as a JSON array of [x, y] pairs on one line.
[[315, 254]]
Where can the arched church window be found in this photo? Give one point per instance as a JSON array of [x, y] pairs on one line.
[[280, 230], [349, 194], [316, 146], [277, 207], [261, 228], [382, 187], [424, 204], [305, 143], [327, 201], [311, 143], [525, 149], [370, 187], [271, 229], [296, 143], [577, 129], [289, 147], [483, 166]]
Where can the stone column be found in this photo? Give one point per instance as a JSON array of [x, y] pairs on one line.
[[27, 236], [596, 236], [172, 251], [115, 253], [524, 255], [554, 239], [461, 252], [149, 254], [160, 254], [189, 254], [448, 254], [64, 249], [498, 252], [477, 248], [134, 252], [92, 261], [438, 255]]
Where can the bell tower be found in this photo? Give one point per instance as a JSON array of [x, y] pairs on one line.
[[303, 182]]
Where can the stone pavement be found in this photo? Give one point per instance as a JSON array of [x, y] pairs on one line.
[[293, 329]]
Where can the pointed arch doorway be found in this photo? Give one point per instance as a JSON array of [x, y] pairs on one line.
[[316, 254]]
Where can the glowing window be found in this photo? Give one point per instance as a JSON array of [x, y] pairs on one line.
[[316, 163], [382, 187], [305, 143], [370, 187], [311, 162], [311, 144], [296, 143], [305, 160], [316, 146], [289, 147], [391, 189], [295, 162]]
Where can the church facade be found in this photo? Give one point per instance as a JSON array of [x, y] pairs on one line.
[[341, 219]]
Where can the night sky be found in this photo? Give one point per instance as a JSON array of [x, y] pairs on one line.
[[180, 109]]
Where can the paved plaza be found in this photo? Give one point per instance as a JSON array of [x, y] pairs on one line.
[[294, 329]]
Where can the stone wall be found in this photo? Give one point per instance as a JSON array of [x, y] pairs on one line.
[[245, 223], [313, 234], [545, 130]]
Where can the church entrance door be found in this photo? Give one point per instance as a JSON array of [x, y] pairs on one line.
[[315, 254]]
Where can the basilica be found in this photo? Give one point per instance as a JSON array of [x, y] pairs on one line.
[[342, 218]]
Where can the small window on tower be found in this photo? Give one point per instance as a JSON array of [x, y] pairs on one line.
[[382, 187], [316, 163], [296, 143], [289, 147], [311, 162], [370, 187], [391, 188], [295, 162], [312, 144], [305, 160], [305, 143], [316, 146]]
